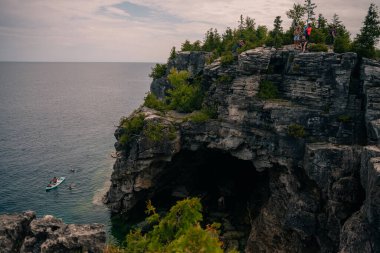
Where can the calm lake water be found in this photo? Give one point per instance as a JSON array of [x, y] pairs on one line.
[[58, 117]]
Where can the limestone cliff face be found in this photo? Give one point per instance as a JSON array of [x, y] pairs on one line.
[[25, 233], [319, 192]]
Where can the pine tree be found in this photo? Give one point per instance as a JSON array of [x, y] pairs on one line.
[[322, 21], [172, 53], [309, 7], [277, 32], [296, 13], [364, 43]]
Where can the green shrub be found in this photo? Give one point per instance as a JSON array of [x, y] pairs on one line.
[[344, 118], [227, 59], [267, 90], [183, 97], [156, 131], [224, 79], [296, 130], [342, 43], [198, 117], [131, 127], [317, 36], [318, 48], [158, 71], [177, 231], [151, 101]]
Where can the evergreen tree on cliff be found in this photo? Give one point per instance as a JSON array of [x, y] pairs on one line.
[[364, 43], [309, 7], [296, 13]]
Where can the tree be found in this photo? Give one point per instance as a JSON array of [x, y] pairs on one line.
[[186, 46], [335, 21], [178, 231], [296, 13], [212, 40], [309, 7], [322, 21], [364, 43], [276, 34], [173, 53]]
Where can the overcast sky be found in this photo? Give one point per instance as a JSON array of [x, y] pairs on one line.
[[136, 30]]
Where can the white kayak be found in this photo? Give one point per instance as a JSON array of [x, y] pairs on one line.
[[52, 185]]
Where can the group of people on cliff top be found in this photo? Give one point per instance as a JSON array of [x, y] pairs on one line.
[[301, 36]]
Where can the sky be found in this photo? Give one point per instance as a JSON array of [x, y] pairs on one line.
[[137, 30]]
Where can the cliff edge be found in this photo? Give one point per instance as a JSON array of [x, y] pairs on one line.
[[299, 173]]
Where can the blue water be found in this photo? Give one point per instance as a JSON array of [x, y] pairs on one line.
[[55, 117]]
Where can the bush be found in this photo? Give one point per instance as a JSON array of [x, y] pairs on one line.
[[342, 43], [227, 59], [178, 231], [151, 101], [158, 71], [267, 90], [317, 36], [318, 48], [131, 127], [183, 97], [203, 115], [344, 118], [156, 131], [296, 130]]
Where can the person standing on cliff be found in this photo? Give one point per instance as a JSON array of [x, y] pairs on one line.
[[308, 32], [296, 38]]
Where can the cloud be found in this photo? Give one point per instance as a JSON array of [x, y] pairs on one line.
[[135, 30]]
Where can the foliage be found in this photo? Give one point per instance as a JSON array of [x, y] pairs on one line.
[[344, 118], [212, 40], [227, 59], [318, 48], [158, 71], [322, 21], [178, 231], [156, 131], [173, 53], [151, 101], [296, 130], [203, 115], [267, 90], [296, 13], [187, 46], [309, 8], [276, 34], [342, 42], [364, 43], [183, 97], [317, 36], [131, 127], [224, 79]]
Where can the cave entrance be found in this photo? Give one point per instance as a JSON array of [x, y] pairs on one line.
[[231, 190]]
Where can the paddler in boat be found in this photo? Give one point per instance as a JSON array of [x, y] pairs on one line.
[[54, 180]]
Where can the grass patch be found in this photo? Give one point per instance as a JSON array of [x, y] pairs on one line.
[[151, 101], [296, 130], [156, 131], [267, 90], [131, 127], [318, 48]]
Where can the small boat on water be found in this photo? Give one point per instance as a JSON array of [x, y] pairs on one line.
[[54, 183]]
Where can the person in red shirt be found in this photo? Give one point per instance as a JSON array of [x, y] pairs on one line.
[[308, 32]]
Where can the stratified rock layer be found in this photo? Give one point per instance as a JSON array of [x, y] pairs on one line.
[[272, 190], [25, 233]]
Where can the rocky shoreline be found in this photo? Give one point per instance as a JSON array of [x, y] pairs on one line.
[[25, 233], [315, 190]]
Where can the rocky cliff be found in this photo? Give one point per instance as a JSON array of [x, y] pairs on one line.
[[25, 233], [300, 173]]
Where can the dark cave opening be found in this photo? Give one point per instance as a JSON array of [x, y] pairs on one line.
[[231, 190]]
